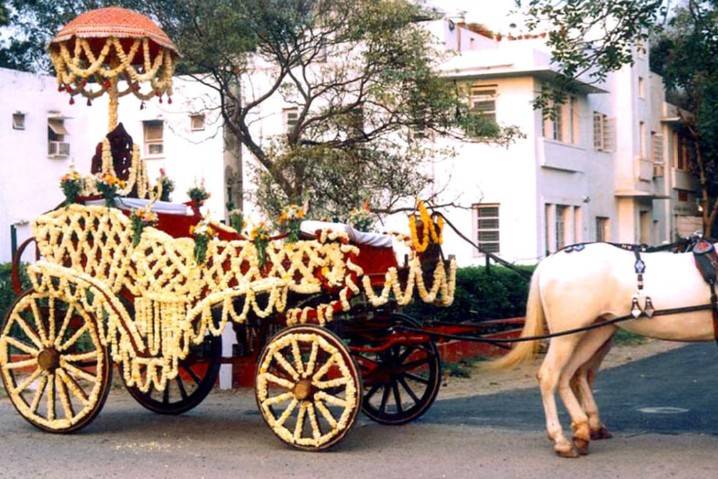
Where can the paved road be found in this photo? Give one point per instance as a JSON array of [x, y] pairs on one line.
[[484, 436]]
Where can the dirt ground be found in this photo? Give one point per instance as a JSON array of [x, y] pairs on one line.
[[481, 382]]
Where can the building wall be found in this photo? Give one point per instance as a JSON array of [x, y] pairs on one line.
[[29, 178]]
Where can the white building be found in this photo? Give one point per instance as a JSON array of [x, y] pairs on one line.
[[610, 168]]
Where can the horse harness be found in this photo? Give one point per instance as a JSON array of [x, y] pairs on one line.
[[704, 256]]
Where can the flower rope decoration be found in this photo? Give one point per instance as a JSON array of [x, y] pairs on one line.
[[73, 78], [430, 230], [90, 256]]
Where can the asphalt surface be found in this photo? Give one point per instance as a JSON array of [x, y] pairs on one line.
[[662, 411]]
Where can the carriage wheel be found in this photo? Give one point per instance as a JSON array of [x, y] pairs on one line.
[[54, 367], [308, 388], [400, 383], [196, 377]]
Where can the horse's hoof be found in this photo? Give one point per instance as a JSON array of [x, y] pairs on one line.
[[569, 452], [581, 445], [602, 433]]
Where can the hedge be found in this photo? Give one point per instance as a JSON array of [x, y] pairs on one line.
[[7, 295], [481, 294]]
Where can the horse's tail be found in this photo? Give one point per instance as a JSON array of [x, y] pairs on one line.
[[533, 326]]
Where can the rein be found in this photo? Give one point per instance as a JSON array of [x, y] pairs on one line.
[[497, 341]]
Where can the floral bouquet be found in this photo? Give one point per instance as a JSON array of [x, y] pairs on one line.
[[198, 194], [361, 219], [108, 185], [167, 185], [71, 184], [202, 234], [291, 217], [141, 218], [259, 235], [236, 219]]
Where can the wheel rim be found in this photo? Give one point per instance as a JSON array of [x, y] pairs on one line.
[[308, 387], [54, 367], [195, 379], [400, 383]]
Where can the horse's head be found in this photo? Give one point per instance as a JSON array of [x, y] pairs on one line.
[[426, 237]]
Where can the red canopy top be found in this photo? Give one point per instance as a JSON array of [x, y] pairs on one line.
[[114, 22]]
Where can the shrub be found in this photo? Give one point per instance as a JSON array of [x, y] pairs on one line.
[[481, 294], [7, 295]]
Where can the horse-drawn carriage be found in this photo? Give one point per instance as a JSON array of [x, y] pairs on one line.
[[322, 310]]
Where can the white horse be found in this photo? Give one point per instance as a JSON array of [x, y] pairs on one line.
[[579, 288]]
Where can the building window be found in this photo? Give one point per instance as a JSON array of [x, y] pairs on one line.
[[641, 88], [682, 152], [577, 224], [487, 227], [642, 139], [561, 124], [154, 137], [482, 101], [561, 213], [57, 146], [291, 117], [603, 232], [197, 122], [601, 132], [18, 121]]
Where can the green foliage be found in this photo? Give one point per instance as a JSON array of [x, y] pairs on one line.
[[361, 73], [7, 295], [588, 39], [481, 293], [627, 338]]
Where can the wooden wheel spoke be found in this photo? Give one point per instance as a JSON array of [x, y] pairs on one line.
[[282, 361], [414, 364], [311, 364], [330, 399], [297, 356], [287, 412], [51, 397], [37, 315], [332, 383], [324, 369], [372, 391], [28, 332], [192, 374], [65, 323], [325, 413], [64, 398], [299, 426], [384, 399], [51, 320], [407, 352], [416, 377], [278, 399], [316, 431], [397, 396], [408, 389], [24, 347], [74, 387], [278, 381], [166, 394], [28, 380], [38, 394], [90, 356], [77, 372], [75, 337], [180, 386], [22, 364]]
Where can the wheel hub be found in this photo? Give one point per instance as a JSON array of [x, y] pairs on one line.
[[48, 359], [303, 390]]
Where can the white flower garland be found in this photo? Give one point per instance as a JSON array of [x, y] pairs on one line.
[[175, 297]]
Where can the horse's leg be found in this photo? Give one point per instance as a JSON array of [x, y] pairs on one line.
[[582, 385], [559, 352], [589, 345]]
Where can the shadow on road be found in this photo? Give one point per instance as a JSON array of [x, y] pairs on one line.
[[678, 389]]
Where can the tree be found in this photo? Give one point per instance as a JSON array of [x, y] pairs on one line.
[[359, 75], [595, 37], [686, 55]]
